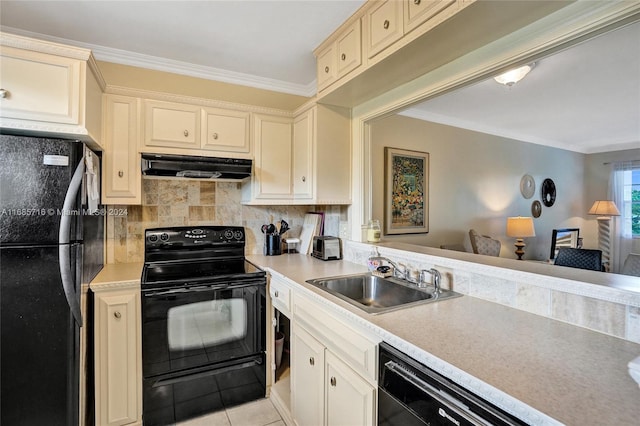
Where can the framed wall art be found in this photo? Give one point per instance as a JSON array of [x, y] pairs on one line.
[[406, 193]]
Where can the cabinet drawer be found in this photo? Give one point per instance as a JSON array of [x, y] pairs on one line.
[[419, 11], [171, 125], [384, 26], [225, 130], [359, 351], [280, 293]]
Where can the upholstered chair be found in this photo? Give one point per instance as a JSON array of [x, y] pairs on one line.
[[579, 258], [631, 265], [483, 244]]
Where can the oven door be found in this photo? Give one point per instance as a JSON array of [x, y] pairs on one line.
[[201, 325]]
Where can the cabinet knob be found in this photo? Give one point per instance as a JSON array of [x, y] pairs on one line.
[[215, 136], [117, 315], [333, 381], [185, 133], [120, 173], [343, 56], [326, 69], [304, 178], [416, 2], [386, 24], [312, 361], [4, 93], [276, 293]]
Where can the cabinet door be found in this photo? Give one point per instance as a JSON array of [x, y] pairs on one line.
[[171, 125], [307, 374], [349, 398], [326, 67], [121, 160], [384, 26], [39, 86], [225, 130], [349, 50], [419, 11], [273, 138], [303, 141], [118, 357]]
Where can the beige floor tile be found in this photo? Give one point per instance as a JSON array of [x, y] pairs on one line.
[[218, 418], [257, 413]]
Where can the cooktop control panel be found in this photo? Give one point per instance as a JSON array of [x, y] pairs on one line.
[[192, 236]]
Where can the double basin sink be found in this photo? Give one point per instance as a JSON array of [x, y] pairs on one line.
[[376, 295]]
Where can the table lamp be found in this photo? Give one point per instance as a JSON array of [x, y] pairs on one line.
[[604, 209], [519, 228]]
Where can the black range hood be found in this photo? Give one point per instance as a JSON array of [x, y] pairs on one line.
[[188, 166]]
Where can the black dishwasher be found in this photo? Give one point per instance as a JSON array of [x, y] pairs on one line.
[[413, 394]]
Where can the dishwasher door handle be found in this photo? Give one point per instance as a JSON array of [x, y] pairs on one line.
[[444, 398]]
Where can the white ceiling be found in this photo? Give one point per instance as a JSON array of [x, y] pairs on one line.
[[267, 44], [586, 99]]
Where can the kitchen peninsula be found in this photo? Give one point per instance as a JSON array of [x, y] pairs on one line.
[[544, 371]]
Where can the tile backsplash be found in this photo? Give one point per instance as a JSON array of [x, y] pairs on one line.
[[180, 202]]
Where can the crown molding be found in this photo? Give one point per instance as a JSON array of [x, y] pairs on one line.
[[156, 63]]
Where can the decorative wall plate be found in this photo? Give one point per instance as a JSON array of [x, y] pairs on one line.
[[548, 192], [527, 186], [536, 209]]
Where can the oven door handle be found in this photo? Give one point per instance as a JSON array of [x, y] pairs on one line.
[[182, 290], [452, 403]]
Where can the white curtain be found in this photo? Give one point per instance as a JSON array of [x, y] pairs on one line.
[[621, 234]]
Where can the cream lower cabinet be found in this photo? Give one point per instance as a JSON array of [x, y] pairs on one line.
[[333, 368], [118, 356], [121, 174]]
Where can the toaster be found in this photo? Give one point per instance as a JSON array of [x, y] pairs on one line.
[[327, 248]]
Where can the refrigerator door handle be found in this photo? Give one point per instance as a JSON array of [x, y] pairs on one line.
[[65, 228]]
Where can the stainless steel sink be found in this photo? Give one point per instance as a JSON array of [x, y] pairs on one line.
[[376, 295]]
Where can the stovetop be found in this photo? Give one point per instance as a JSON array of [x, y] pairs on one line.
[[194, 255]]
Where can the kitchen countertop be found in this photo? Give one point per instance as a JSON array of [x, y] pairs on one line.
[[114, 275], [568, 373]]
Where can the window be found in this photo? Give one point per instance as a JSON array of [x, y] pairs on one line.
[[631, 202]]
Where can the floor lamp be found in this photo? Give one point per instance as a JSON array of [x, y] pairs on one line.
[[604, 209]]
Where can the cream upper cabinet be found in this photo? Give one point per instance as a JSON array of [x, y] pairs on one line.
[[384, 26], [225, 130], [303, 138], [417, 12], [118, 357], [171, 125], [50, 90], [311, 165], [327, 71], [340, 57], [121, 175], [330, 152], [272, 165]]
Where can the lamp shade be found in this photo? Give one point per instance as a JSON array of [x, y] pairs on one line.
[[604, 208], [520, 227]]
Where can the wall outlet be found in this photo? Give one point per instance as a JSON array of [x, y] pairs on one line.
[[344, 229]]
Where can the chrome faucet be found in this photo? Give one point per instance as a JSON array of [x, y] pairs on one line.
[[436, 278], [398, 271]]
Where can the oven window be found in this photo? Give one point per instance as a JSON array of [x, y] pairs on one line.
[[205, 324], [188, 328]]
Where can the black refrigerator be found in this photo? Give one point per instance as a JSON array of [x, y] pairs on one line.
[[51, 242]]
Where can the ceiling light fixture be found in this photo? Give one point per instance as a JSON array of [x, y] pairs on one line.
[[513, 76]]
